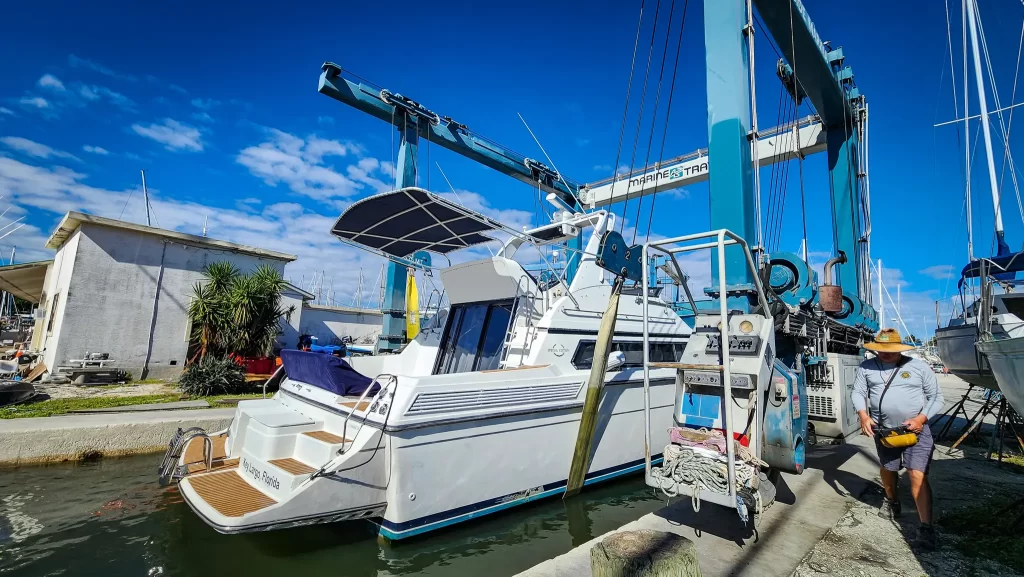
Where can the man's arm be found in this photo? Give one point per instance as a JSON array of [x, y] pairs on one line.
[[933, 400], [860, 402]]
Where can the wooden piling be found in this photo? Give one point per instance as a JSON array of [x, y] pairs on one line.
[[595, 385]]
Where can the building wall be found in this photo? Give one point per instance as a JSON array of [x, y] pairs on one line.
[[291, 323], [55, 299], [129, 297], [330, 324]]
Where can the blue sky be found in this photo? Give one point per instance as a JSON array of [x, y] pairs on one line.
[[218, 103]]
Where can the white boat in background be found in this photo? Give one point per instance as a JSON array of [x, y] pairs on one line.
[[1006, 358], [477, 414], [956, 341]]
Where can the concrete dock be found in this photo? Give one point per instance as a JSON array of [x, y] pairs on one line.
[[80, 436], [807, 508]]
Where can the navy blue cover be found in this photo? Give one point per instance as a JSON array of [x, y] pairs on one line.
[[326, 372]]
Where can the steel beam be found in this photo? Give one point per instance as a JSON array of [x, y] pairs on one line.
[[448, 134], [846, 225], [778, 146], [806, 53], [732, 186]]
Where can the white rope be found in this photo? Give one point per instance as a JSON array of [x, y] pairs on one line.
[[702, 469]]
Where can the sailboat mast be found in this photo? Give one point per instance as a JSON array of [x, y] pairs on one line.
[[983, 106], [881, 303], [967, 142], [145, 195]]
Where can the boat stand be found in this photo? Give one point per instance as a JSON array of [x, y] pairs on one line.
[[951, 414], [995, 405]]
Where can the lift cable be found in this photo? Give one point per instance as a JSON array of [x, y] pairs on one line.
[[778, 183], [782, 184], [629, 90], [772, 208], [640, 114], [799, 153], [668, 112], [654, 121]]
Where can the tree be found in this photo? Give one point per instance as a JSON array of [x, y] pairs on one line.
[[234, 313]]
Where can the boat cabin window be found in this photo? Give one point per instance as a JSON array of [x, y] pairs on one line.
[[634, 351], [474, 337]]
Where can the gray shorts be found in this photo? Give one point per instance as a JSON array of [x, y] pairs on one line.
[[915, 458]]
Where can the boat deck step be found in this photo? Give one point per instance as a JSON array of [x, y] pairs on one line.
[[292, 466], [329, 438], [229, 494], [200, 467], [194, 449]]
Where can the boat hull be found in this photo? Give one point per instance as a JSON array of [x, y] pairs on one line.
[[962, 358], [14, 392], [1006, 358]]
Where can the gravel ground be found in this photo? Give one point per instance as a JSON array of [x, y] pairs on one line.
[[862, 544]]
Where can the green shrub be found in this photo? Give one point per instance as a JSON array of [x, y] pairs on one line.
[[213, 377]]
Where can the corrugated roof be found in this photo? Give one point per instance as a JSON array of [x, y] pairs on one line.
[[73, 220], [24, 280]]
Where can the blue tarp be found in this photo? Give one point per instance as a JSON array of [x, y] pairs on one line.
[[1002, 266], [326, 372]]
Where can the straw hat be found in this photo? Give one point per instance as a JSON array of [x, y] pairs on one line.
[[888, 341]]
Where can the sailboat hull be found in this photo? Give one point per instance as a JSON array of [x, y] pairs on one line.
[[1006, 358], [958, 353]]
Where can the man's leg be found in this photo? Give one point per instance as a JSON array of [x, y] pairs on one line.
[[889, 483], [922, 493]]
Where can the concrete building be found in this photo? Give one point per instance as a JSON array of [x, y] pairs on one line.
[[122, 288], [330, 323]]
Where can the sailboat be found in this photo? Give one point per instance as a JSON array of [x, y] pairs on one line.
[[993, 317], [478, 413]]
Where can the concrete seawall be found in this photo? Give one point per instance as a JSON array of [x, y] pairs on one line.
[[76, 437]]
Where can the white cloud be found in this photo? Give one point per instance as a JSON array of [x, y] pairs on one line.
[[174, 135], [286, 227], [96, 150], [325, 120], [6, 111], [93, 93], [205, 103], [32, 148], [34, 101], [202, 117], [51, 82], [87, 64], [299, 163], [602, 167], [938, 272], [178, 89]]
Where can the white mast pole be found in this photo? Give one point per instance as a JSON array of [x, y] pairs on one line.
[[967, 141], [983, 106], [145, 194], [881, 303]]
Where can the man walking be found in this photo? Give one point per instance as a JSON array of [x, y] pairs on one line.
[[893, 390]]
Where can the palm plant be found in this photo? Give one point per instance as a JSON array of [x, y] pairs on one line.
[[234, 313]]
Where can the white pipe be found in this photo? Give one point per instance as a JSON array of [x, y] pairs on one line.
[[881, 303], [723, 311], [983, 105]]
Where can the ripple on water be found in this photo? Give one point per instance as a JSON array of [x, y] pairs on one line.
[[110, 518]]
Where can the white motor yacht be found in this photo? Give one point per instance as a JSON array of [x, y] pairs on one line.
[[479, 413]]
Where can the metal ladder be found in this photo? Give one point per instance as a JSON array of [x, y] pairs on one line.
[[531, 301], [168, 470]]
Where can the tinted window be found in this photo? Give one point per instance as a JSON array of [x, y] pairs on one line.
[[474, 338], [633, 350]]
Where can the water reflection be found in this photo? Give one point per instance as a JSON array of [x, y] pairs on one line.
[[110, 518]]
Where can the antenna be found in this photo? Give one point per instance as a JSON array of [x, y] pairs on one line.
[[145, 194]]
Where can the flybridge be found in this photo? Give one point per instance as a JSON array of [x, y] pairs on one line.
[[778, 145]]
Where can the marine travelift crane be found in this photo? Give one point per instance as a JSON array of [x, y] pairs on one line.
[[817, 329]]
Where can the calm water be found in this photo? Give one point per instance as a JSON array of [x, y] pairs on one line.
[[110, 518]]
